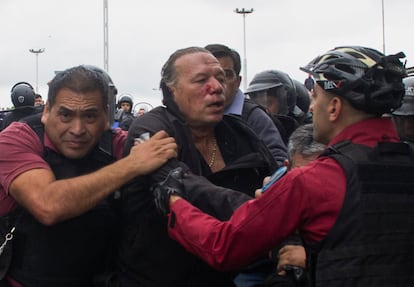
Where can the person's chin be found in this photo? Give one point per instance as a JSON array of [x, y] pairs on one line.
[[75, 153], [216, 117]]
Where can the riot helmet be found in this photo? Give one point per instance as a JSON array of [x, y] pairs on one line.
[[22, 94], [301, 112], [407, 107], [263, 81], [125, 98], [368, 79], [302, 96], [274, 83]]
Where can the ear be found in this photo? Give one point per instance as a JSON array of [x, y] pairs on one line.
[[172, 90], [107, 118], [45, 113], [239, 78], [334, 108]]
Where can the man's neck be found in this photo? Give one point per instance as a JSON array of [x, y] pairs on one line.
[[202, 135]]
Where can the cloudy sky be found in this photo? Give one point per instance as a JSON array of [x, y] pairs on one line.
[[280, 34]]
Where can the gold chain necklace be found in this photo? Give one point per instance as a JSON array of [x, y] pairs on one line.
[[213, 154]]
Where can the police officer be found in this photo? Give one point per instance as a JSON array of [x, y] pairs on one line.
[[404, 116], [276, 91], [23, 99], [124, 115]]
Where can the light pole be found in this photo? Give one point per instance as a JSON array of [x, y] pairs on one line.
[[244, 12], [383, 28], [37, 52], [106, 40]]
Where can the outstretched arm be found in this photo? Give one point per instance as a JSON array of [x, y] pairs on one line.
[[51, 200]]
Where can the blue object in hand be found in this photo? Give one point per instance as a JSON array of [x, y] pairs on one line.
[[281, 171]]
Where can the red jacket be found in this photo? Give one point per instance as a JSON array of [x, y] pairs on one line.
[[307, 199]]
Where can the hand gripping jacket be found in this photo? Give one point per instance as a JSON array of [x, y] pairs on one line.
[[72, 252], [372, 241], [173, 184]]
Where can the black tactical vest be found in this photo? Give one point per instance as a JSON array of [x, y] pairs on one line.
[[73, 252], [372, 240]]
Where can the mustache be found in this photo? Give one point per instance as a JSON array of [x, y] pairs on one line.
[[80, 139]]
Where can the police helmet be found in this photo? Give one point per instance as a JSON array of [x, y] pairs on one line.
[[125, 98], [302, 96], [263, 81], [22, 94], [407, 107], [368, 79], [272, 79]]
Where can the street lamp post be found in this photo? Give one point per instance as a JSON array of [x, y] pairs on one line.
[[37, 52], [244, 12], [383, 27], [106, 40]]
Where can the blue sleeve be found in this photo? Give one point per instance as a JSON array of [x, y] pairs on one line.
[[266, 130]]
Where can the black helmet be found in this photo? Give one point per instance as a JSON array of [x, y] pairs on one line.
[[302, 96], [280, 83], [22, 94], [125, 98], [407, 107], [263, 81], [368, 79]]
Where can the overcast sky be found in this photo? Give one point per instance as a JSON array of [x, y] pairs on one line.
[[280, 34]]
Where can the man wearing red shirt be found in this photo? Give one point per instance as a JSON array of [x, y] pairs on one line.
[[345, 204], [58, 170]]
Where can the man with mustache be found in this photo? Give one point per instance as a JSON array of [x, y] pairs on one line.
[[57, 173]]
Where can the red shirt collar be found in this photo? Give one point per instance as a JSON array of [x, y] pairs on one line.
[[368, 132]]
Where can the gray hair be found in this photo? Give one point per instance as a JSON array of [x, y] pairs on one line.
[[301, 141], [169, 73]]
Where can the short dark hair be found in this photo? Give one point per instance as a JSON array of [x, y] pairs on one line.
[[79, 79], [219, 51]]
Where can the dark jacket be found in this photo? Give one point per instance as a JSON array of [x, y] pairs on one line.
[[148, 257], [18, 114], [126, 121]]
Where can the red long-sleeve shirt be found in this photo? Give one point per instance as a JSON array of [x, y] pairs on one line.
[[307, 199]]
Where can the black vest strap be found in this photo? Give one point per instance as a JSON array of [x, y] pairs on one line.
[[373, 237]]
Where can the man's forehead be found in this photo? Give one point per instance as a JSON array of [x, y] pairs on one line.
[[67, 97], [193, 60]]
